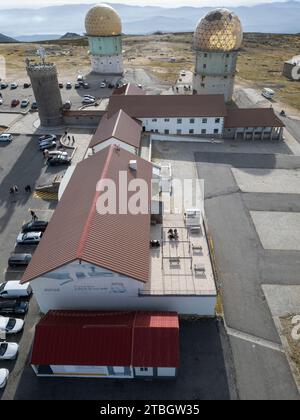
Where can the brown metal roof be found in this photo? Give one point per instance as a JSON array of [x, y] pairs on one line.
[[252, 117], [121, 127], [129, 89], [117, 242], [169, 106]]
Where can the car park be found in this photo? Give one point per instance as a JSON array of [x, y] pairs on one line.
[[14, 289], [4, 375], [34, 106], [25, 103], [16, 260], [47, 144], [6, 138], [15, 103], [11, 325], [14, 85], [35, 226], [59, 160], [29, 238], [8, 351], [18, 307]]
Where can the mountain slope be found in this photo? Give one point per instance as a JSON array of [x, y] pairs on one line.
[[6, 39]]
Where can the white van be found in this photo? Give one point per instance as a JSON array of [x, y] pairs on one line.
[[268, 93], [6, 137], [13, 290]]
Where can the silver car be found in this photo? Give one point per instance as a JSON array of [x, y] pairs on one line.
[[30, 238]]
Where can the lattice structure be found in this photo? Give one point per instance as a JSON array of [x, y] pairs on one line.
[[103, 20], [219, 30]]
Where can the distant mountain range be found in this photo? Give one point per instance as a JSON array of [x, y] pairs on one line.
[[52, 22], [6, 39]]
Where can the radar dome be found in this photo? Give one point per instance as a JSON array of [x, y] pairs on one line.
[[103, 20]]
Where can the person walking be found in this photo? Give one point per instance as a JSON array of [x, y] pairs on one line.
[[73, 140], [33, 215], [28, 188], [16, 189]]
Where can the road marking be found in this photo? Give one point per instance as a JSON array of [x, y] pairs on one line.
[[46, 196], [254, 340]]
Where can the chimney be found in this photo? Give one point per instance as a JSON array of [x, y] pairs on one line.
[[133, 165]]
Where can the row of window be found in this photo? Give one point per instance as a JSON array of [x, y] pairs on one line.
[[191, 131], [192, 120]]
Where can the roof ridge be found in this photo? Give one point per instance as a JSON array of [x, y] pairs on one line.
[[117, 122], [92, 212]]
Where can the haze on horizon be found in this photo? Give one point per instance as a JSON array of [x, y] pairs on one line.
[[167, 3]]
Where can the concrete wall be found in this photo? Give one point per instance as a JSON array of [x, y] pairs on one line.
[[114, 141], [111, 64], [159, 125], [86, 287], [82, 118]]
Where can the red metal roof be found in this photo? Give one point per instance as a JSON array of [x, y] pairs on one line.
[[107, 339], [121, 127], [252, 117], [117, 242], [161, 106]]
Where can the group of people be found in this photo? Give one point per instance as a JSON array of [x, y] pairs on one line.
[[15, 189], [71, 140], [173, 235]]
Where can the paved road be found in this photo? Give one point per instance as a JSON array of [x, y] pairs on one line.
[[244, 266]]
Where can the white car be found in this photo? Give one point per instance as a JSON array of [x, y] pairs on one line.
[[6, 137], [14, 289], [11, 325], [4, 374], [89, 97], [88, 101], [30, 238], [103, 85], [14, 86], [8, 351], [57, 153], [1, 101]]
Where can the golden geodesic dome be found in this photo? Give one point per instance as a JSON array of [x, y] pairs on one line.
[[103, 20], [219, 30]]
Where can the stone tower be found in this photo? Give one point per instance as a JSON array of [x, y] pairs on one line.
[[217, 40], [43, 77], [104, 31]]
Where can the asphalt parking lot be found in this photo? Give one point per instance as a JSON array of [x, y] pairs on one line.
[[244, 266]]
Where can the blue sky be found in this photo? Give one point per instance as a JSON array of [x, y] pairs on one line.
[[172, 3]]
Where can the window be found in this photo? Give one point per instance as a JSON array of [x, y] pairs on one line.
[[203, 131], [204, 66], [167, 131], [191, 131], [179, 132], [154, 120], [179, 121], [216, 131], [217, 120], [143, 369], [203, 85], [167, 119], [192, 121], [205, 55], [204, 120]]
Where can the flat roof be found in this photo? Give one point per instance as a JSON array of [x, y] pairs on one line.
[[252, 117], [161, 106], [121, 127], [124, 339], [117, 242]]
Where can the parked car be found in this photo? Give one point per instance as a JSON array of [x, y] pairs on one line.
[[77, 85], [4, 375], [6, 138], [80, 78], [86, 85], [69, 85], [61, 85], [88, 101], [1, 101], [47, 144], [55, 153], [35, 226], [89, 97], [15, 103], [14, 85], [29, 238], [18, 307], [11, 325], [34, 106], [47, 137], [103, 85], [26, 85], [4, 85], [68, 105], [59, 160], [25, 103], [8, 351], [14, 289], [16, 260]]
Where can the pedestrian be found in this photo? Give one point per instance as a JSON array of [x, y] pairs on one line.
[[69, 139], [28, 188], [73, 140], [33, 215], [16, 189], [66, 133]]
